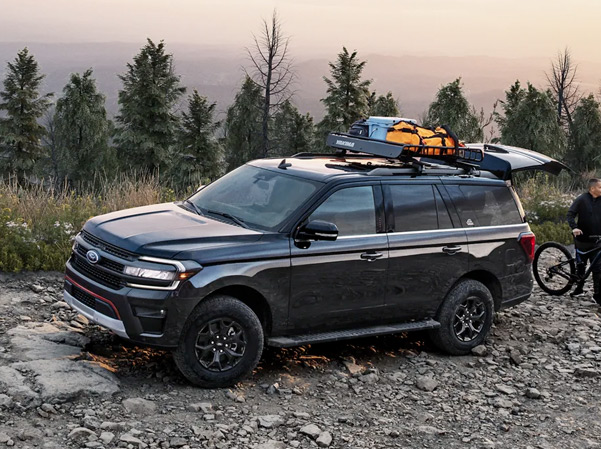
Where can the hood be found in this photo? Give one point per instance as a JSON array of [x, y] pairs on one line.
[[164, 230], [503, 160]]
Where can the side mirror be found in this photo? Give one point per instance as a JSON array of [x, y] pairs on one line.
[[318, 230]]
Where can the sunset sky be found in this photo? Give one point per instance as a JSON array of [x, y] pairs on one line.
[[504, 28]]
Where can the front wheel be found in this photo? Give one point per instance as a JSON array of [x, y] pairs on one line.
[[221, 343], [554, 268], [465, 318]]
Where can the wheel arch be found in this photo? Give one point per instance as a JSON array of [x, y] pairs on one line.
[[490, 281], [253, 299]]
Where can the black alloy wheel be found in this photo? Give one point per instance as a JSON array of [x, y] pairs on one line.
[[220, 345]]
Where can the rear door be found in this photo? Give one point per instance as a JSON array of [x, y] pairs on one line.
[[428, 248]]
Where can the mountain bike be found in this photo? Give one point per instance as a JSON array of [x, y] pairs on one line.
[[554, 266]]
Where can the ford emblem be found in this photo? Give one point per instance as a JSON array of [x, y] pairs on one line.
[[92, 256]]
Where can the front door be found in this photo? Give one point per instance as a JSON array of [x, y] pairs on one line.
[[343, 282]]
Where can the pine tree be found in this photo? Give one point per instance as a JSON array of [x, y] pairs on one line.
[[530, 121], [348, 94], [243, 126], [199, 156], [292, 131], [20, 132], [147, 124], [583, 145], [452, 109], [81, 129], [383, 106]]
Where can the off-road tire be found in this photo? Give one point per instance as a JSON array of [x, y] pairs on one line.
[[468, 301], [217, 310]]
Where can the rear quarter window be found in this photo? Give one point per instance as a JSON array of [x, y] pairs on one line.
[[482, 205]]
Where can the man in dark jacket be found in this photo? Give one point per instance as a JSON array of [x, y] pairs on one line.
[[584, 217]]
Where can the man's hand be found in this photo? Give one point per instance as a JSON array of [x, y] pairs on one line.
[[576, 232]]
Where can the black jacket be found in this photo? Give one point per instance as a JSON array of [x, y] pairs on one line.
[[588, 211]]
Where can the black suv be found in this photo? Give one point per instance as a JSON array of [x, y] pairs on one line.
[[312, 248]]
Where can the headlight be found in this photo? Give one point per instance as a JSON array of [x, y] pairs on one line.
[[150, 274]]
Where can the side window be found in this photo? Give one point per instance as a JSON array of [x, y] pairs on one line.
[[352, 210], [489, 205], [414, 207]]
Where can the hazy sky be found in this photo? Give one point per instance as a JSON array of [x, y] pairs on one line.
[[506, 28]]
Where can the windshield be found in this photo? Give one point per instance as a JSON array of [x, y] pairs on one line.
[[257, 197]]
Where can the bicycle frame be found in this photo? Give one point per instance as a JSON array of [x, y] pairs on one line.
[[592, 262]]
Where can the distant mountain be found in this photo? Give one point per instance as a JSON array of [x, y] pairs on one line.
[[217, 73]]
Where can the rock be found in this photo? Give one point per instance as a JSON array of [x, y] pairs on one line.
[[426, 383], [516, 357], [177, 442], [66, 379], [430, 430], [271, 444], [130, 439], [139, 406], [586, 372], [311, 430], [116, 426], [5, 401], [44, 341], [205, 407], [533, 393], [324, 439], [370, 378], [502, 403], [4, 438], [480, 351], [270, 421], [506, 389], [36, 288], [80, 433], [15, 385], [107, 437]]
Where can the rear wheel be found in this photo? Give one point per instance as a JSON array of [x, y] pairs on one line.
[[221, 343], [465, 318], [554, 268]]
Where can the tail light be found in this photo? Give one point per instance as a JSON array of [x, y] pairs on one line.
[[528, 241]]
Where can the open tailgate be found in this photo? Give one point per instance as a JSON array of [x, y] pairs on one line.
[[503, 160]]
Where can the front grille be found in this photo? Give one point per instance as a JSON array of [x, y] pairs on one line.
[[102, 277], [84, 298], [104, 262], [111, 249]]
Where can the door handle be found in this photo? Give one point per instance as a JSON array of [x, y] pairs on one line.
[[371, 256], [451, 250]]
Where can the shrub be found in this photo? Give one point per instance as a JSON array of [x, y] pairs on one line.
[[38, 224]]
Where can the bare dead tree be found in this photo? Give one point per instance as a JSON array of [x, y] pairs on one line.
[[563, 84], [272, 70]]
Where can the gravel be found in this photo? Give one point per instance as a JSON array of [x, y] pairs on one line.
[[66, 383]]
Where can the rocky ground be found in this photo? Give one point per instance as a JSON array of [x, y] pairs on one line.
[[67, 383]]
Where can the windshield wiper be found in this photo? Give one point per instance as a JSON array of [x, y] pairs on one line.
[[194, 206], [236, 220]]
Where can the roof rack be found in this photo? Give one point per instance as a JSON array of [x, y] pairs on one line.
[[451, 155]]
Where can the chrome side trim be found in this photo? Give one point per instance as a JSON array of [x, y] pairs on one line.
[[110, 323]]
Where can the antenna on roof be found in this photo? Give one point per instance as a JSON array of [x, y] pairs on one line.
[[283, 165]]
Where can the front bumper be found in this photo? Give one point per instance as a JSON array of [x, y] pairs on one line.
[[110, 323], [149, 317]]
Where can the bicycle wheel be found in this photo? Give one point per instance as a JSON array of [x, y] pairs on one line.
[[554, 268]]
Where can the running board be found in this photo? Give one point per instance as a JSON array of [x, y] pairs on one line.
[[300, 340]]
